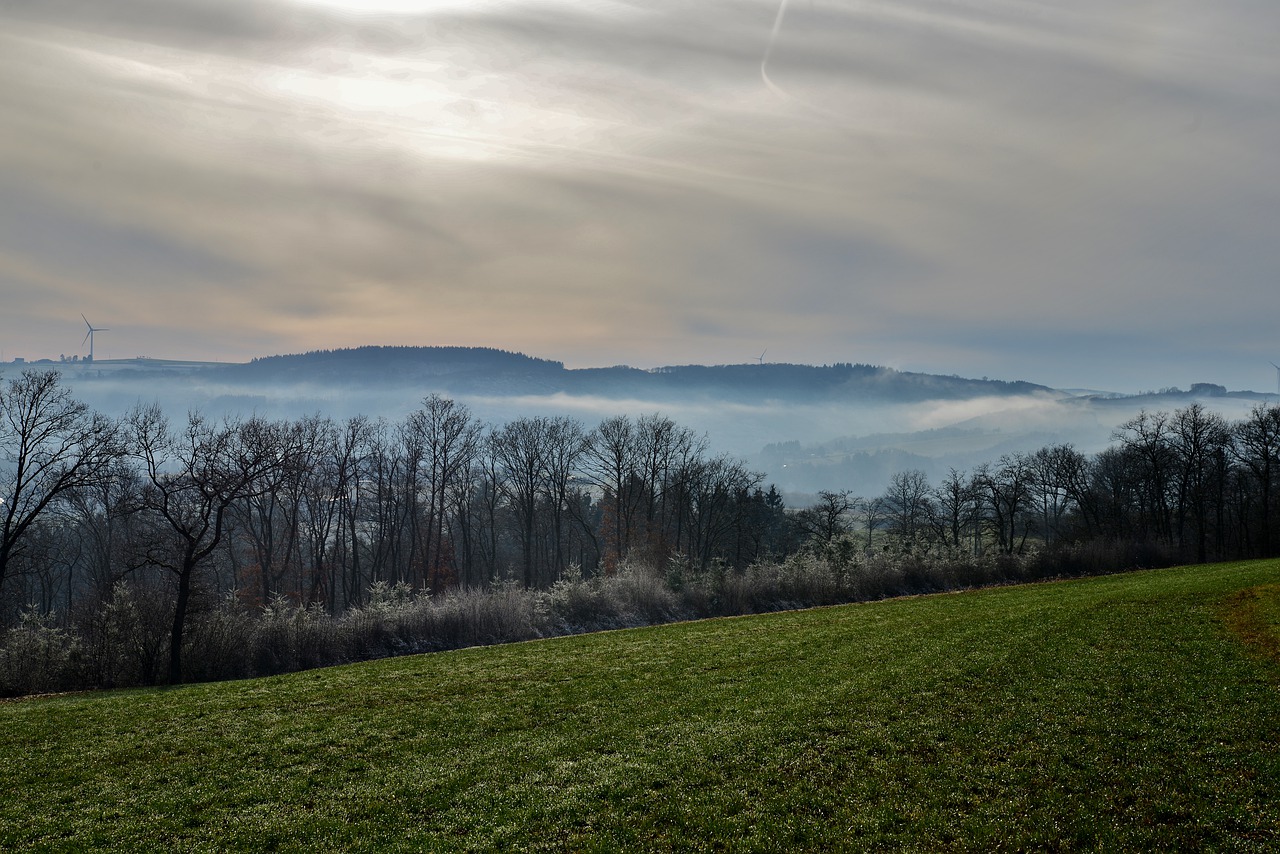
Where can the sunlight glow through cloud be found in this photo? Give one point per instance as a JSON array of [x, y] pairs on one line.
[[973, 187]]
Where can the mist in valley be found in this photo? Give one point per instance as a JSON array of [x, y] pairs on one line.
[[802, 440]]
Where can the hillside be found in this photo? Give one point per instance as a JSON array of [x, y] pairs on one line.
[[392, 364], [474, 370], [1119, 713]]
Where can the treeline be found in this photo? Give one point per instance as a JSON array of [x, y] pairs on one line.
[[1188, 485], [318, 511], [141, 550]]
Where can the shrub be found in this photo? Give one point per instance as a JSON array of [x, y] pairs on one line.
[[289, 637], [221, 643], [37, 656], [126, 639]]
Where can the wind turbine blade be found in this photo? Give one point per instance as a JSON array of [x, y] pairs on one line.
[[86, 336], [86, 321]]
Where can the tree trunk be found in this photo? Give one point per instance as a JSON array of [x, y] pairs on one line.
[[179, 622]]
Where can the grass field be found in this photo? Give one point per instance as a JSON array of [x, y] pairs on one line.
[[1132, 712]]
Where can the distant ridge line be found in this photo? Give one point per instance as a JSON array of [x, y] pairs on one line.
[[488, 370], [383, 351]]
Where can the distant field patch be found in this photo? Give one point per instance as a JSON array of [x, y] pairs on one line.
[[1116, 713]]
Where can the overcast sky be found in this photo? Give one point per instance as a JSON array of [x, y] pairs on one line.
[[1079, 194]]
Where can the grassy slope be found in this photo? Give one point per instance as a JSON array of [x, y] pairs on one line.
[[1114, 713]]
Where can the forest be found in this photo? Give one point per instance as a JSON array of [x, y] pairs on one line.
[[147, 549]]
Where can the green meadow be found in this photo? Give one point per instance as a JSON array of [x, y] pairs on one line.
[[1130, 712]]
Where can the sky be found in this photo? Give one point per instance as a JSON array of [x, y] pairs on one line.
[[1080, 194]]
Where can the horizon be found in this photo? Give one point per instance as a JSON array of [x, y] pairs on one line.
[[75, 359]]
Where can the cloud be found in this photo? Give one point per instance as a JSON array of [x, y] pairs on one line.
[[606, 182]]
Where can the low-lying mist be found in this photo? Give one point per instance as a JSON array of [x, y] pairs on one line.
[[802, 447]]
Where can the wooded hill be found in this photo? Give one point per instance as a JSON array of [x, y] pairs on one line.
[[463, 370]]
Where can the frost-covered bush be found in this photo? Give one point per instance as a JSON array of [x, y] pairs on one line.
[[636, 594], [641, 595], [580, 604], [126, 640], [221, 643], [290, 637], [395, 620], [468, 617], [373, 629], [37, 656]]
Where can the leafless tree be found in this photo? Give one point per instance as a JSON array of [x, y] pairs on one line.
[[449, 438], [957, 509], [871, 513], [1257, 448], [908, 507], [667, 453], [329, 466], [192, 478], [1057, 476], [612, 463], [714, 491], [1200, 441], [520, 448], [1006, 490], [50, 446], [1148, 437], [829, 517]]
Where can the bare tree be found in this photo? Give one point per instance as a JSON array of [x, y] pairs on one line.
[[829, 518], [1200, 440], [1257, 448], [329, 469], [1116, 494], [101, 515], [666, 453], [192, 479], [612, 463], [477, 515], [1149, 438], [957, 508], [1007, 493], [388, 501], [268, 519], [449, 438], [50, 446], [871, 513], [641, 468], [908, 507], [520, 448], [1056, 478], [714, 491], [564, 442]]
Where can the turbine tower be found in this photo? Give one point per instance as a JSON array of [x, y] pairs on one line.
[[88, 336]]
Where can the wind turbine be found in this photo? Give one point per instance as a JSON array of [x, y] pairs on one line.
[[88, 336], [1277, 367], [760, 358]]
